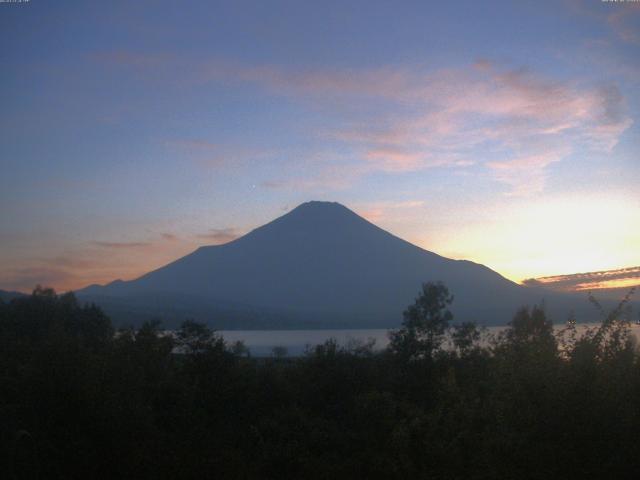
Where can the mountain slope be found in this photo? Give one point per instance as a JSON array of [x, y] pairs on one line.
[[319, 264], [7, 296]]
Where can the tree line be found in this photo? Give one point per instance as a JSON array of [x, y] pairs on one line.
[[79, 399]]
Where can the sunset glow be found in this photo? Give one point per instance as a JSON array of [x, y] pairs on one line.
[[625, 283], [619, 278], [122, 151]]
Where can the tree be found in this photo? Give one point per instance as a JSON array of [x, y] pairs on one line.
[[279, 351], [465, 337], [531, 333], [425, 323], [197, 338], [240, 349]]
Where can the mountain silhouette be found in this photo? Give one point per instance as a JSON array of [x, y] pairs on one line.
[[318, 265], [7, 296]]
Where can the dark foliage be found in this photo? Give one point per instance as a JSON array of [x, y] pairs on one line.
[[78, 400], [425, 324]]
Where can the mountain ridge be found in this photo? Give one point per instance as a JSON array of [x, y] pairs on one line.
[[319, 263]]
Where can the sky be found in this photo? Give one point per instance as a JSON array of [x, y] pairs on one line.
[[502, 132]]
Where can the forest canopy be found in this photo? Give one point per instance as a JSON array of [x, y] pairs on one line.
[[82, 400]]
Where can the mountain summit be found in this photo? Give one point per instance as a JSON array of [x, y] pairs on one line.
[[320, 264]]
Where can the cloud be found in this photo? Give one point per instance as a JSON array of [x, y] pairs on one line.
[[623, 277], [220, 235], [466, 116], [121, 245], [513, 121], [624, 22], [618, 15], [526, 175], [169, 236]]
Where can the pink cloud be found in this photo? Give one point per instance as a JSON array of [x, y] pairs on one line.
[[531, 119], [623, 277], [403, 119], [526, 175]]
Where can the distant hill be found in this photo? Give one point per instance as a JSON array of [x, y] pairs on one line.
[[320, 265], [8, 295]]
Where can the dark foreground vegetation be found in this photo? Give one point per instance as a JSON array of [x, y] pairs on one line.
[[78, 400]]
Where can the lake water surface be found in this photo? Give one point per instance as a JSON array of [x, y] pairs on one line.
[[262, 342]]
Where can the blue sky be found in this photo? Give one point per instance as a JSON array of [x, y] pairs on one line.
[[501, 132]]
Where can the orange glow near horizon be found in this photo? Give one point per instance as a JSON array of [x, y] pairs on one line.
[[524, 239], [549, 237], [621, 283]]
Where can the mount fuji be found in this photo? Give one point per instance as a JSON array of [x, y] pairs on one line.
[[320, 265]]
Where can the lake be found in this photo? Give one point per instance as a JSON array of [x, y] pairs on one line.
[[262, 342]]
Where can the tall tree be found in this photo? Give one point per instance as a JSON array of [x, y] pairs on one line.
[[425, 323]]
